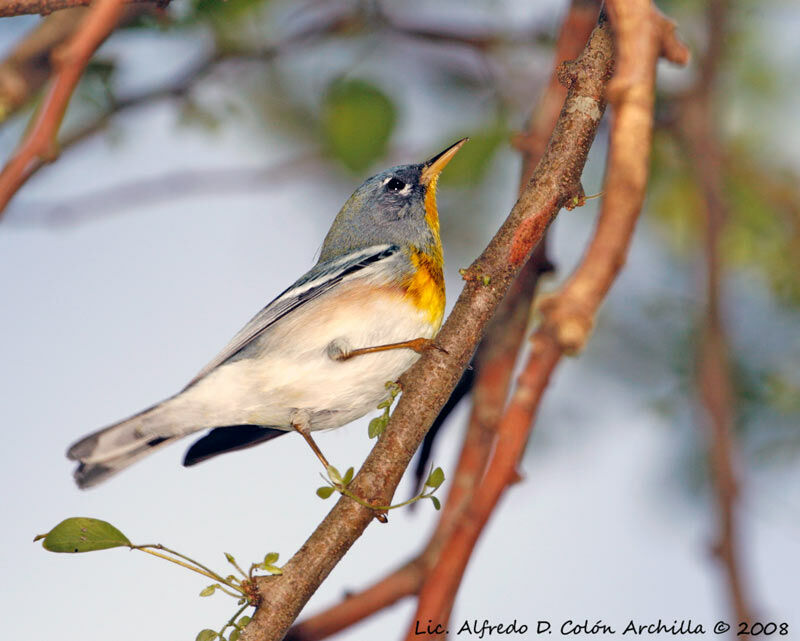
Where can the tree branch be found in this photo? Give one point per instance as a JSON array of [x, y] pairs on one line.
[[624, 189], [428, 384], [39, 145]]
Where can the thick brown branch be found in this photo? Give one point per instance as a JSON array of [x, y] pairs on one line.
[[429, 383], [39, 143], [628, 156], [44, 7]]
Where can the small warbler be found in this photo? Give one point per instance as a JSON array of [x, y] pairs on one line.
[[319, 355]]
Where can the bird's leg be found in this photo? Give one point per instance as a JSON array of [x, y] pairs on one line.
[[301, 423], [339, 352]]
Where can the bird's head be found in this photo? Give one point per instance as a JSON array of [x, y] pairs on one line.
[[396, 206]]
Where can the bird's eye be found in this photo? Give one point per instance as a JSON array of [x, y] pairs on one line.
[[395, 185]]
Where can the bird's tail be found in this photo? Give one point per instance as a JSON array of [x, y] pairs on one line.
[[110, 450]]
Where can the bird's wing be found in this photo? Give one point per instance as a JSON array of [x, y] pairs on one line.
[[313, 284]]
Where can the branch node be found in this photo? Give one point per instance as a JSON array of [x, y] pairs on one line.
[[672, 47], [577, 199], [566, 321]]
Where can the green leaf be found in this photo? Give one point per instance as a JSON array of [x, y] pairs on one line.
[[357, 121], [82, 534], [324, 492], [243, 621], [436, 478], [271, 557], [273, 569], [348, 475], [234, 635], [230, 558], [334, 474], [436, 503], [377, 426], [206, 635], [209, 590]]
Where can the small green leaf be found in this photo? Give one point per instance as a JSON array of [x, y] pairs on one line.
[[348, 475], [436, 503], [334, 475], [357, 121], [273, 569], [324, 492], [209, 590], [272, 557], [206, 635], [436, 478], [230, 558], [82, 534], [377, 425], [234, 635], [243, 621]]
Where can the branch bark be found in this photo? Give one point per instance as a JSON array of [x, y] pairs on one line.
[[633, 95], [427, 386]]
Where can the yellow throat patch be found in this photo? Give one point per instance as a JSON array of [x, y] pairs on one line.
[[425, 287]]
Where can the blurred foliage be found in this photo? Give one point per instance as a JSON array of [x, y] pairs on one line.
[[357, 121]]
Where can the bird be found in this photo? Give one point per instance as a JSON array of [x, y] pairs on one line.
[[321, 353]]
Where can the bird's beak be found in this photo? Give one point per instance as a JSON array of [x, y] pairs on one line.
[[433, 167]]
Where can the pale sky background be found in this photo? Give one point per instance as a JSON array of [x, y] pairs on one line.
[[106, 316]]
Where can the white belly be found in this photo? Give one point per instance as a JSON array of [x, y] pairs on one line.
[[293, 372]]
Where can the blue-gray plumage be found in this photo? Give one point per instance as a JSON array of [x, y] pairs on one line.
[[376, 291]]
